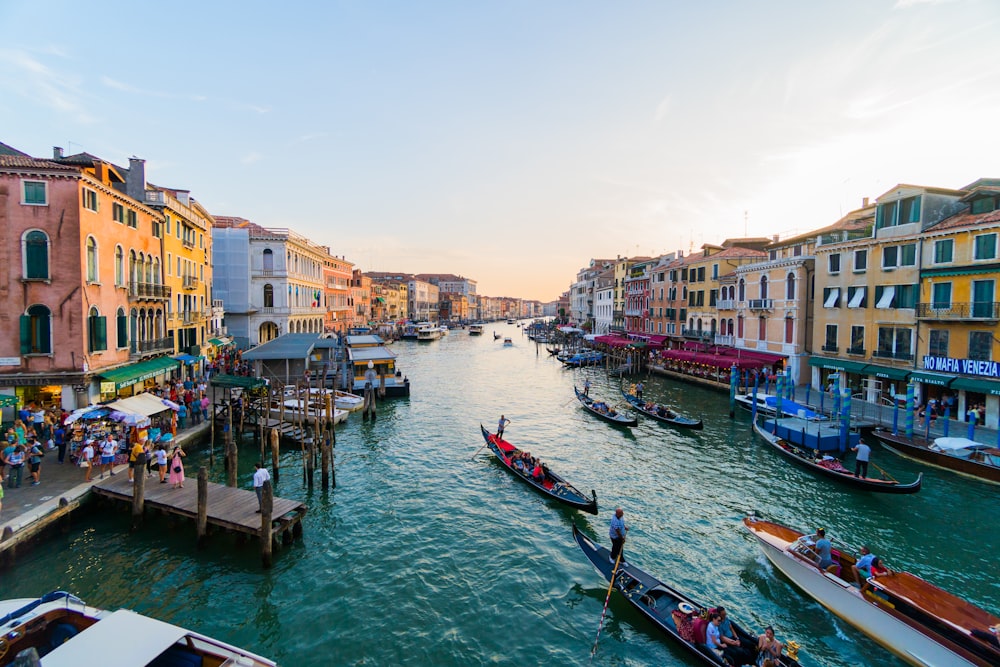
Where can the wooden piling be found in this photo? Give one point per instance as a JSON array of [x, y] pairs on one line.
[[266, 509], [275, 436], [202, 521], [139, 493], [230, 449], [325, 463], [211, 429]]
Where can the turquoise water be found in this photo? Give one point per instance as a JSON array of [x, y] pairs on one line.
[[426, 554]]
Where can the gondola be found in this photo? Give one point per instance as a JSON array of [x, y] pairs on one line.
[[553, 486], [960, 455], [660, 603], [668, 416], [618, 418], [831, 467]]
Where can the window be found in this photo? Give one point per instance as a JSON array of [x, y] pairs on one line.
[[984, 205], [903, 255], [157, 229], [856, 297], [790, 287], [797, 251], [860, 261], [168, 225], [739, 326], [34, 193], [830, 344], [982, 299], [762, 329], [763, 287], [97, 332], [885, 296], [36, 331], [941, 296], [789, 329], [985, 247], [743, 291], [119, 267], [894, 342], [713, 296], [122, 322], [833, 262], [131, 219], [35, 251], [268, 296], [89, 199], [772, 255], [91, 260], [701, 273], [944, 250], [938, 343], [268, 260], [118, 212], [906, 296], [857, 340], [830, 297], [715, 272], [899, 212], [981, 345]]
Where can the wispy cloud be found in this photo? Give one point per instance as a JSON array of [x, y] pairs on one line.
[[31, 78]]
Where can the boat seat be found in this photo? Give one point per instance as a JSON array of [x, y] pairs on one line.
[[177, 656], [700, 628]]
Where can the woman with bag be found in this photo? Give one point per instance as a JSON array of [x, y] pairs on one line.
[[177, 468]]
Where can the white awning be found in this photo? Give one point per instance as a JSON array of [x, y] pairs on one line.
[[956, 443], [859, 296], [888, 293], [140, 404], [831, 298]]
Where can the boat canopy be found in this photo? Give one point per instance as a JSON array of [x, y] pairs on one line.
[[957, 443], [154, 637]]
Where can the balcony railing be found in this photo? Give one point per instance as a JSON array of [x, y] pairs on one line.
[[635, 312], [152, 345], [190, 282], [975, 310], [138, 290], [860, 351], [728, 340], [726, 304], [761, 304], [891, 354], [187, 242], [847, 235], [831, 348], [695, 333]]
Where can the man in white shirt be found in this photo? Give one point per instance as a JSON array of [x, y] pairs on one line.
[[108, 450], [260, 476]]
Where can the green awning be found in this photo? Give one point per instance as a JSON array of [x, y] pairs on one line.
[[977, 385], [129, 375], [838, 364], [888, 372], [936, 379], [241, 381], [216, 342]]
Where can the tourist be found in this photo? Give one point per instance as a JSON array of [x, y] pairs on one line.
[[862, 454], [260, 476], [538, 473], [108, 450], [138, 450], [204, 403], [161, 462], [20, 430], [181, 415], [59, 436], [36, 453], [15, 460], [823, 550], [877, 569], [177, 468], [617, 532], [735, 651], [87, 458], [500, 426], [862, 568], [712, 637], [768, 648]]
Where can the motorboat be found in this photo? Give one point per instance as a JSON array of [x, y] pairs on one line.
[[63, 631], [508, 342], [914, 619], [961, 455], [767, 404], [428, 332], [296, 409], [345, 400], [475, 329]]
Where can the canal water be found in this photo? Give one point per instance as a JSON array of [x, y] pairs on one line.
[[429, 553]]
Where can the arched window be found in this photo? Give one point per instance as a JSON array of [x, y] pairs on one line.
[[36, 331], [268, 259], [743, 291], [133, 268], [97, 331], [157, 279], [133, 327], [122, 322], [91, 260], [35, 251], [712, 325], [268, 296], [763, 287], [790, 287]]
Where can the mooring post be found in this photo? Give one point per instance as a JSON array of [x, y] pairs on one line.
[[274, 452], [266, 509], [138, 490], [325, 462], [211, 429], [202, 524]]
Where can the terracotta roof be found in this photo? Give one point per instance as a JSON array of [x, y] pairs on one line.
[[736, 251], [857, 219], [25, 162], [966, 219]]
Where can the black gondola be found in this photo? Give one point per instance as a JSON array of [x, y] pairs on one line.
[[658, 602], [662, 413], [553, 485], [833, 468], [617, 418]]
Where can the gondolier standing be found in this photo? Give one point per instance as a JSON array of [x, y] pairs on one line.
[[861, 460], [500, 426], [617, 534]]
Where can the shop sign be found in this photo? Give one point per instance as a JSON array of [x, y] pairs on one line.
[[10, 361], [990, 369], [108, 387]]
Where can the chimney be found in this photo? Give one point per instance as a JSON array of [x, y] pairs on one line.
[[57, 153], [774, 238], [135, 179], [864, 202]]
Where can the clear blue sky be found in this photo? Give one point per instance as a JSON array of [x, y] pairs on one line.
[[511, 141]]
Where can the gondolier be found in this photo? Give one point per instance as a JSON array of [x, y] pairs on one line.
[[500, 426], [617, 535], [863, 453]]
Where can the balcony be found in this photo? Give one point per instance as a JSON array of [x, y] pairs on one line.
[[761, 304], [142, 347], [191, 282], [846, 235], [891, 354], [696, 334], [139, 290], [187, 317], [975, 310], [635, 312], [831, 348], [187, 242], [618, 314], [727, 340], [857, 351], [726, 304]]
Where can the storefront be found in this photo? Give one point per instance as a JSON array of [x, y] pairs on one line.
[[846, 374], [121, 382], [884, 382]]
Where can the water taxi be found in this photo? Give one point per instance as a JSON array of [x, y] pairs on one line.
[[475, 329], [428, 332]]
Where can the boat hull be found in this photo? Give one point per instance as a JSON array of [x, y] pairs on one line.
[[618, 420], [846, 601], [679, 421], [916, 449]]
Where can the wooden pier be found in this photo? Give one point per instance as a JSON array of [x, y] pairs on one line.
[[228, 508]]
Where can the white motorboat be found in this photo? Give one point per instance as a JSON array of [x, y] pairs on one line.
[[444, 330], [475, 329], [296, 409], [428, 332], [65, 632], [919, 622], [345, 400]]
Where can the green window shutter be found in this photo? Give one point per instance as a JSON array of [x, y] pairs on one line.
[[122, 331], [101, 333], [915, 210], [25, 334]]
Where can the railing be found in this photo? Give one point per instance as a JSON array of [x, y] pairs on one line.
[[726, 304], [635, 312], [848, 235], [761, 304], [137, 290], [152, 345], [831, 348], [190, 282], [856, 351], [728, 340], [975, 310], [618, 314], [695, 333], [890, 354], [187, 243]]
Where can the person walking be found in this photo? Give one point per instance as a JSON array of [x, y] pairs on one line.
[[87, 458], [177, 468], [136, 459], [15, 461], [108, 450], [862, 455], [35, 454], [617, 533], [59, 436], [500, 427], [161, 462], [260, 476]]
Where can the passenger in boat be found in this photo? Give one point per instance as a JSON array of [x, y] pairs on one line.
[[768, 648], [862, 453], [684, 621], [518, 464], [823, 549], [863, 567], [713, 638], [878, 569], [538, 473], [736, 652]]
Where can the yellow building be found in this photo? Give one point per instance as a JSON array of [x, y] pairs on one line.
[[703, 273]]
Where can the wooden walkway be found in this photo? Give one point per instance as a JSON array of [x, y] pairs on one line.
[[229, 508]]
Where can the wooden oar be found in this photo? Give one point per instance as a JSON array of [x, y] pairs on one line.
[[887, 475], [479, 450], [607, 597]]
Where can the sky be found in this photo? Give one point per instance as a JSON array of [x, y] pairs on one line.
[[512, 142]]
